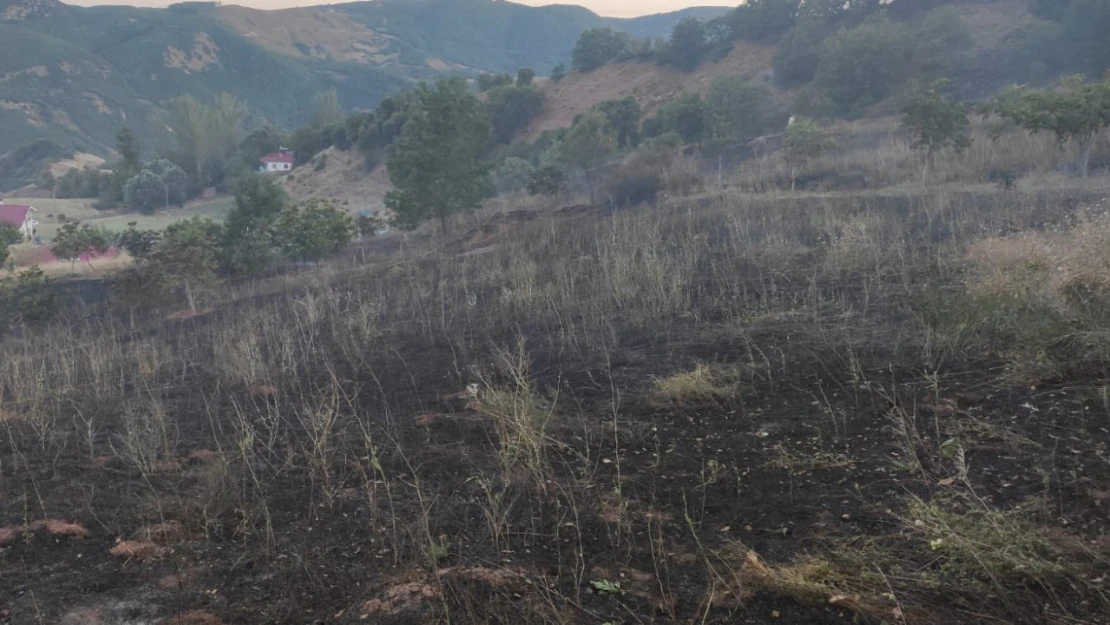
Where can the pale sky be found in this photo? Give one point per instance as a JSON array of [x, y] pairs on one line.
[[612, 8]]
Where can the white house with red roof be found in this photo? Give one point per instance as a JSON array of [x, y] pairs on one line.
[[279, 161], [19, 217]]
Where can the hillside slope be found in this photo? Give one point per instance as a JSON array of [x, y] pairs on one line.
[[993, 26], [75, 75]]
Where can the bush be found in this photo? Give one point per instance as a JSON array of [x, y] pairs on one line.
[[860, 65], [634, 183], [547, 180], [799, 52], [738, 109], [596, 47], [27, 299], [513, 174], [511, 108]]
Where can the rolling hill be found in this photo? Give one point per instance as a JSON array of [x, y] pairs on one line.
[[75, 75]]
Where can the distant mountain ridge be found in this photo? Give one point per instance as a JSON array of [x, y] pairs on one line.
[[75, 75]]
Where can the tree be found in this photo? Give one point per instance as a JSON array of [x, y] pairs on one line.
[[74, 239], [525, 76], [188, 255], [805, 141], [247, 245], [127, 146], [860, 65], [27, 299], [596, 47], [207, 134], [685, 116], [160, 183], [512, 174], [622, 120], [547, 180], [510, 110], [1073, 111], [935, 122], [436, 165], [487, 82], [687, 44], [138, 243], [313, 231], [326, 109], [587, 146], [737, 109], [8, 236], [799, 52], [558, 72], [761, 20]]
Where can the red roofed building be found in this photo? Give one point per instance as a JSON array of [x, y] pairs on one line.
[[20, 218], [279, 161]]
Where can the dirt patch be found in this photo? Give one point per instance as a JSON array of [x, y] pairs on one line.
[[311, 32], [97, 101], [137, 549], [79, 161], [34, 117], [204, 54], [35, 70], [650, 84], [342, 178]]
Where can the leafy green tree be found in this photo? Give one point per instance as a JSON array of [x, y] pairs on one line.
[[935, 122], [558, 72], [1074, 111], [159, 184], [687, 44], [74, 239], [487, 82], [188, 256], [127, 146], [805, 141], [762, 20], [326, 109], [546, 180], [27, 299], [596, 47], [313, 231], [799, 52], [622, 120], [436, 165], [247, 245], [8, 236], [685, 117], [860, 65], [207, 134], [938, 44], [525, 76], [512, 174], [138, 243], [737, 108], [510, 110], [586, 146]]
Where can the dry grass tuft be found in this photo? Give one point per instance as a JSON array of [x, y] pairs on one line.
[[702, 384]]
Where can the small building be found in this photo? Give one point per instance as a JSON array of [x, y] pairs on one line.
[[279, 161], [19, 217]]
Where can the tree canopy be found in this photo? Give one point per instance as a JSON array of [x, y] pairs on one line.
[[596, 47], [436, 165], [936, 122]]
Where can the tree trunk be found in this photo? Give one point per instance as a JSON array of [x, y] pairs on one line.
[[589, 183], [1085, 154], [189, 296], [443, 223], [925, 168]]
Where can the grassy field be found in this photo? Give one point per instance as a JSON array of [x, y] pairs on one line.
[[735, 405], [51, 210]]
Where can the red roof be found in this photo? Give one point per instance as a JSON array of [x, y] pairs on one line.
[[278, 157], [13, 214]]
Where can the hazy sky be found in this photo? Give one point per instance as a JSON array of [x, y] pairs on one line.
[[615, 8]]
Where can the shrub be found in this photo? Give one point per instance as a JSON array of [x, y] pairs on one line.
[[860, 65], [596, 47], [633, 183]]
